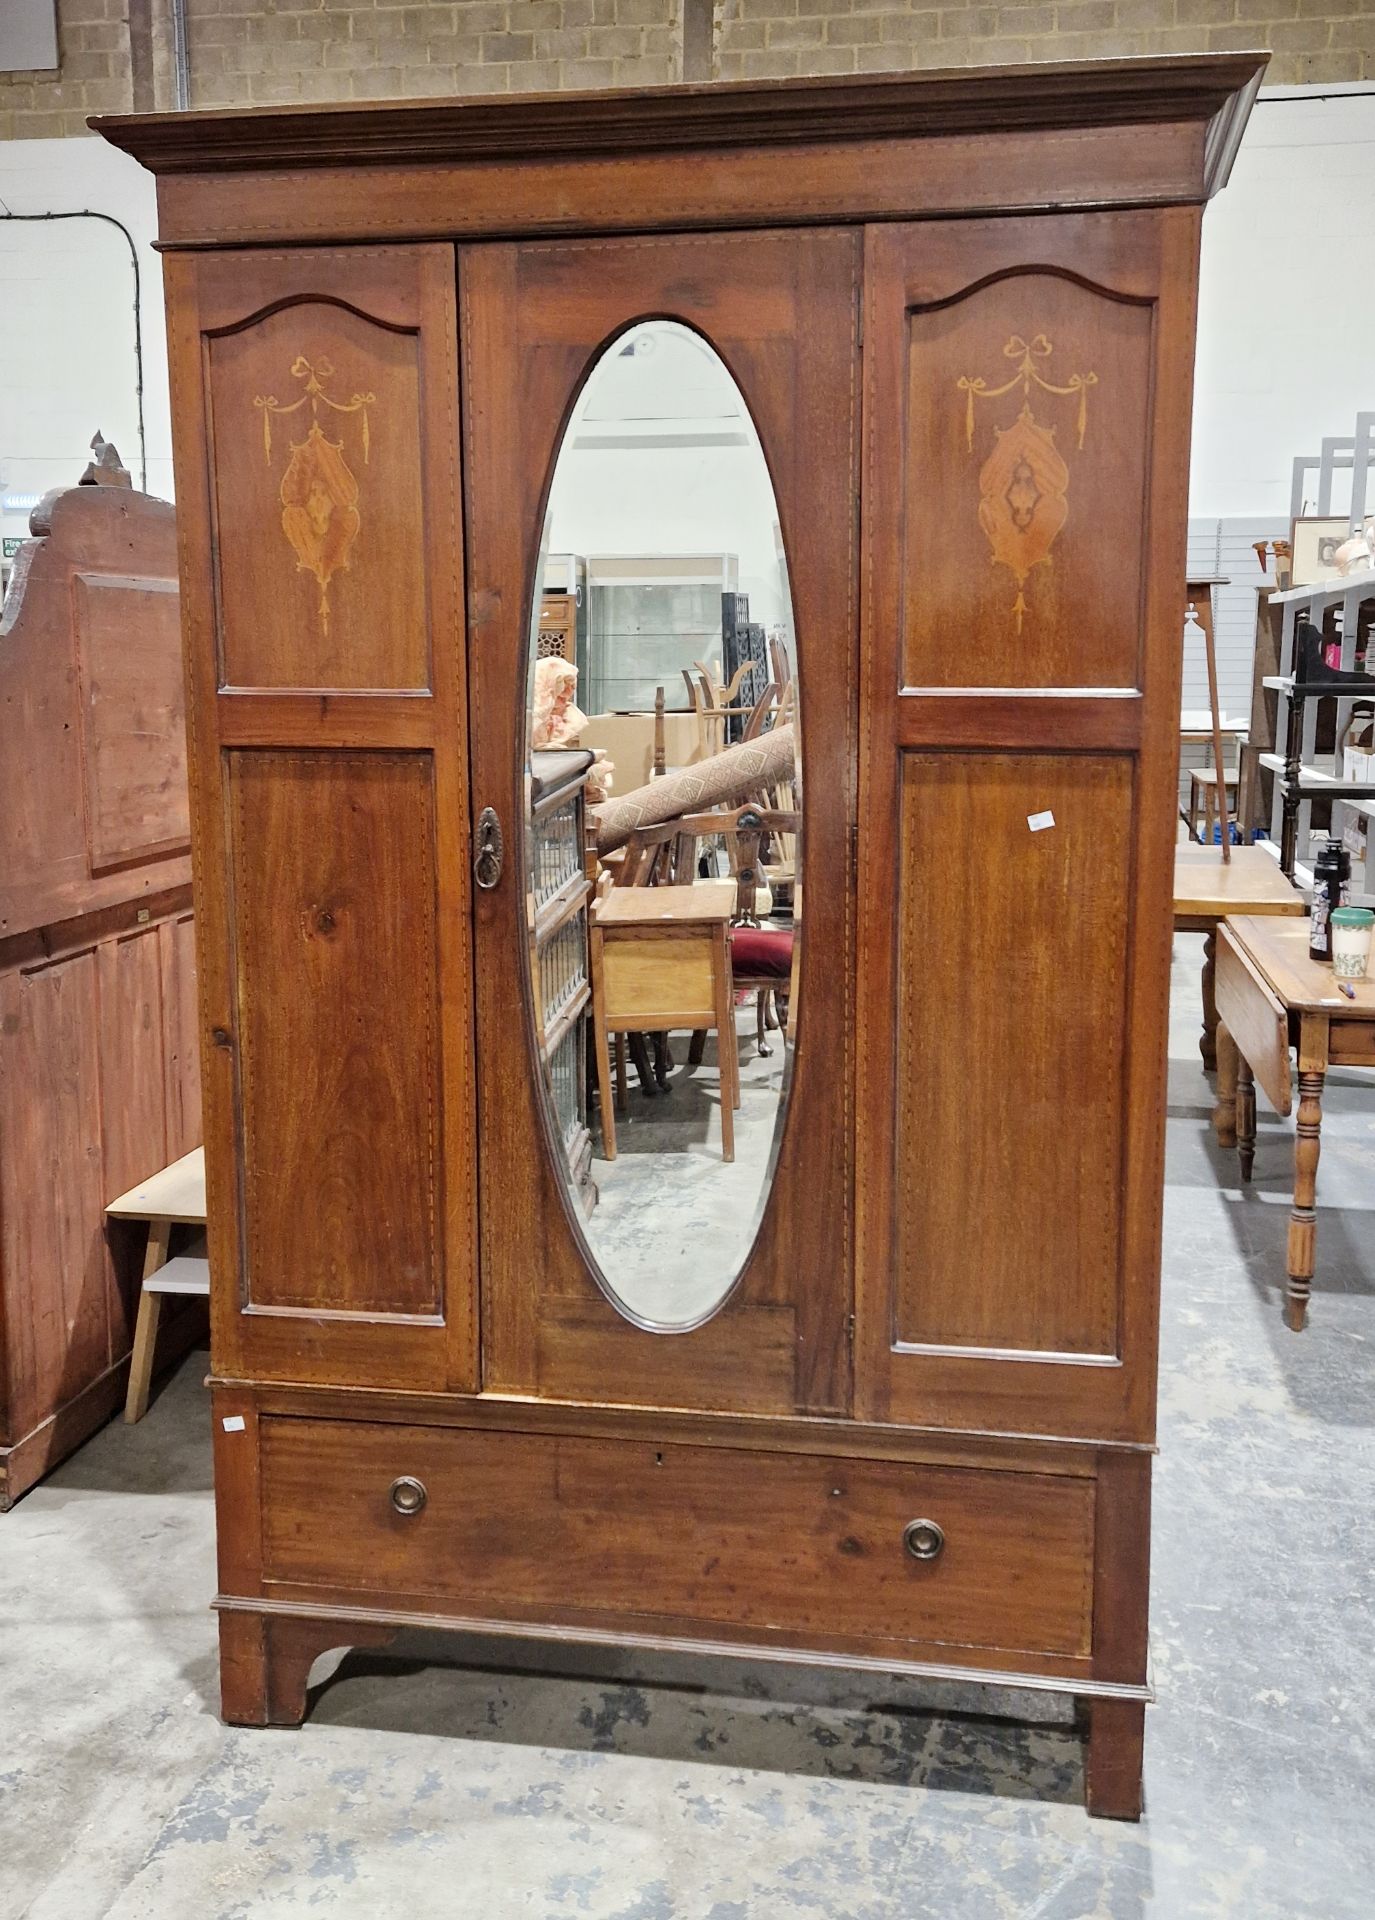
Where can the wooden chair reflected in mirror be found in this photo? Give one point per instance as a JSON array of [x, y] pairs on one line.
[[761, 950], [713, 702]]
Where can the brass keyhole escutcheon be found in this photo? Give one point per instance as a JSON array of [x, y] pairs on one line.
[[923, 1539], [408, 1495]]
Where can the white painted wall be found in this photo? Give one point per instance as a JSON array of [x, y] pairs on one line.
[[1286, 347], [1286, 344], [1286, 322], [662, 498], [67, 318]]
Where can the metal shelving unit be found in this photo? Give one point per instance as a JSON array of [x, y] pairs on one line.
[[1299, 776], [650, 617]]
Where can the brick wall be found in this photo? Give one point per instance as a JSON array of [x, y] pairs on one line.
[[95, 76], [115, 53], [275, 50], [1311, 40]]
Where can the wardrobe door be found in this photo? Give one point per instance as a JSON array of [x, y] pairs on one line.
[[316, 407], [780, 310], [1027, 388]]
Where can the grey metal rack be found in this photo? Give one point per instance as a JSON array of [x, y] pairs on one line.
[[1299, 780]]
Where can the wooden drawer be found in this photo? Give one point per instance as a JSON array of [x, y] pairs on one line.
[[757, 1545]]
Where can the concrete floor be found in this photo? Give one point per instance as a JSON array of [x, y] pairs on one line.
[[678, 1791], [674, 1220]]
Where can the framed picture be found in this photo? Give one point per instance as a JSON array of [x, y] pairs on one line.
[[1315, 543]]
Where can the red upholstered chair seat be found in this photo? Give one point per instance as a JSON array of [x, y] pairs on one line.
[[761, 951]]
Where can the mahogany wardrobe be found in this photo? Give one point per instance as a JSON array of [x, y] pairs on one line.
[[916, 1435]]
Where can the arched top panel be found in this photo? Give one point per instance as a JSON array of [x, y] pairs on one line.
[[316, 417], [263, 313], [1029, 395], [1128, 295]]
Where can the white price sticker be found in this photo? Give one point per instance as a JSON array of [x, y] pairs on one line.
[[1038, 822], [233, 1423]]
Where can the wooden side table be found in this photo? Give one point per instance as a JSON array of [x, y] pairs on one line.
[[173, 1197], [661, 961], [1270, 998], [1207, 890]]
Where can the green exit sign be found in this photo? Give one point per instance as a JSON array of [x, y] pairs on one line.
[[13, 542]]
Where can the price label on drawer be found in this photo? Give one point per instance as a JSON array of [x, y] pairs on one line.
[[233, 1423], [1038, 822]]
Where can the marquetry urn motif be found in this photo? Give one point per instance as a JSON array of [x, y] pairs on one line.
[[319, 492], [1024, 480]]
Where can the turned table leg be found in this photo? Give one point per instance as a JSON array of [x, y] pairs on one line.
[[1225, 1112], [1303, 1219], [1246, 1117], [1207, 1040]]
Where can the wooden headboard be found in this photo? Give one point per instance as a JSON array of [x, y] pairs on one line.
[[99, 1074]]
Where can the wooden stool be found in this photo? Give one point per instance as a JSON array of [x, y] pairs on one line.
[[660, 962], [1203, 792], [174, 1197]]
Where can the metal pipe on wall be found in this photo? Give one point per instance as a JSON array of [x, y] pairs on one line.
[[181, 57]]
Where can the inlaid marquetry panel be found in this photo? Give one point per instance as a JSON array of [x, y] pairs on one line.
[[333, 896], [315, 412], [1011, 1016], [1024, 488]]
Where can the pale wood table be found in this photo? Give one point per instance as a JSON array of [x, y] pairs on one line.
[[661, 961], [1271, 997], [173, 1197], [1208, 890]]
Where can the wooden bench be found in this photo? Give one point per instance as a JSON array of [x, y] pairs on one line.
[[173, 1197]]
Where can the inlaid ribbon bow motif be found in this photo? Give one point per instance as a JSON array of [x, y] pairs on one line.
[[1022, 483], [319, 494]]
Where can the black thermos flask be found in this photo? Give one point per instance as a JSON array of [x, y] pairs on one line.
[[1331, 872]]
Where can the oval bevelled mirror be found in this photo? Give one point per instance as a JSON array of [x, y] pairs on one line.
[[663, 844]]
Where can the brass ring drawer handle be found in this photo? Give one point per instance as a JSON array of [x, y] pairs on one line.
[[923, 1539], [408, 1496]]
